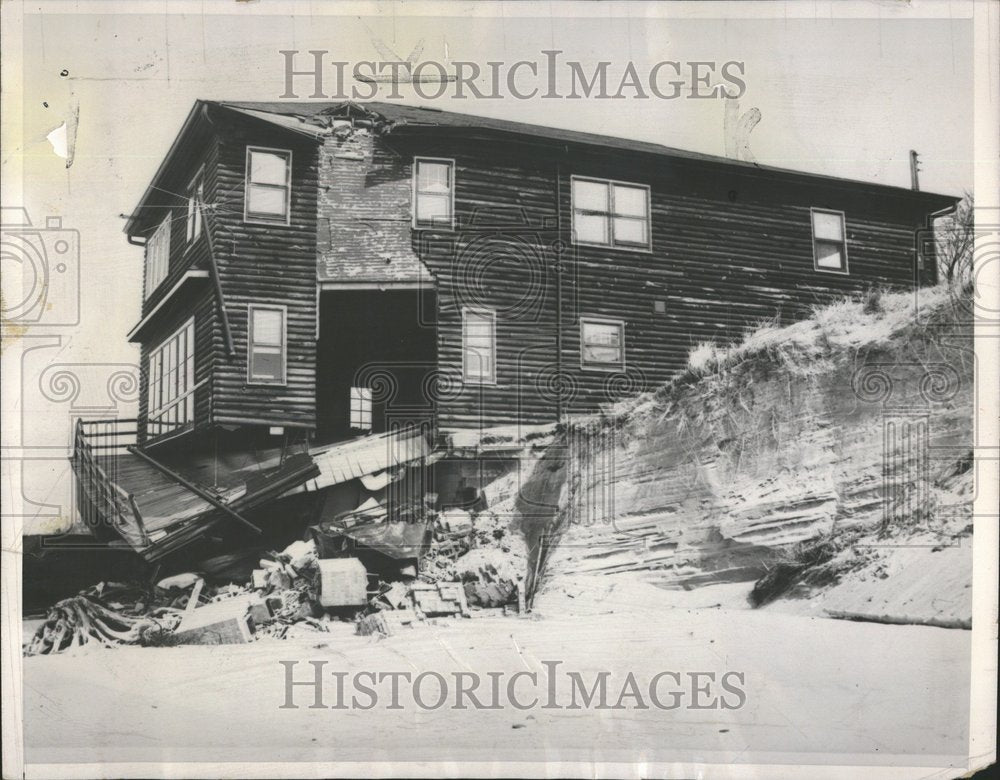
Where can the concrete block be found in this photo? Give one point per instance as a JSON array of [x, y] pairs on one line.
[[343, 582], [220, 623]]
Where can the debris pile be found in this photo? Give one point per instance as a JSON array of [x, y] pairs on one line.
[[361, 567], [491, 565], [183, 609], [107, 614], [472, 562]]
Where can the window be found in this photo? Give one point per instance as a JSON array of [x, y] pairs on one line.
[[433, 192], [609, 213], [266, 342], [361, 408], [268, 185], [829, 241], [158, 256], [195, 200], [602, 344], [170, 367], [479, 345]]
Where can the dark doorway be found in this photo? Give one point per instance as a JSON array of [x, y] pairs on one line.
[[377, 355]]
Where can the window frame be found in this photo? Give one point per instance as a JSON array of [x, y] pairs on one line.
[[414, 193], [605, 367], [164, 228], [165, 350], [194, 219], [362, 411], [626, 246], [479, 311], [844, 270], [257, 219], [258, 381]]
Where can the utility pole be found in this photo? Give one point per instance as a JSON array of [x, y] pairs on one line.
[[914, 169]]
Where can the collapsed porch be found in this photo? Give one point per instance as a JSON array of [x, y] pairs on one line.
[[159, 502]]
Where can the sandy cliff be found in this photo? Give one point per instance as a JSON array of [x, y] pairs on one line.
[[830, 459]]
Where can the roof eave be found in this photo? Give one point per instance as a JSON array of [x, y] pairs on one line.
[[196, 112], [189, 122], [933, 199]]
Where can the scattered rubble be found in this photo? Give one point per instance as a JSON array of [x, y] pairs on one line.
[[379, 571], [108, 614]]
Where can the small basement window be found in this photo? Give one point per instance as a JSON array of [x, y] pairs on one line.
[[479, 345], [433, 193], [268, 185], [266, 345], [602, 344], [195, 201], [610, 213], [829, 241], [361, 408]]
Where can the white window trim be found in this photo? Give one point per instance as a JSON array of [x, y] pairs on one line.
[[845, 271], [190, 235], [164, 227], [361, 410], [606, 367], [153, 413], [263, 220], [450, 225], [481, 312], [626, 247], [257, 382]]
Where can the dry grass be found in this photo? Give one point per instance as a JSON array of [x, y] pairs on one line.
[[834, 333], [868, 320]]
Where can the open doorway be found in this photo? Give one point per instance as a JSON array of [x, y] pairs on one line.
[[377, 353]]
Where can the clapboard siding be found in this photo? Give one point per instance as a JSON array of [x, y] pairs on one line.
[[265, 264], [171, 200], [202, 307], [730, 248], [501, 256]]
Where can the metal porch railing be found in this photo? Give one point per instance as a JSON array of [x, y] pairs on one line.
[[102, 502]]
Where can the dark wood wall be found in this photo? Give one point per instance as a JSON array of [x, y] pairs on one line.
[[257, 263], [267, 264], [169, 199], [730, 248], [499, 256]]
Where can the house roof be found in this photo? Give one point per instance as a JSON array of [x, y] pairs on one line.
[[306, 118], [402, 117]]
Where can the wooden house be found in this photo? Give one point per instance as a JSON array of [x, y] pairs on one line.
[[316, 273]]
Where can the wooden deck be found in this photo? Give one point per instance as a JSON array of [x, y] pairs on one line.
[[155, 512], [163, 502]]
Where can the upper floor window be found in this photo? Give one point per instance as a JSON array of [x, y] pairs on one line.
[[170, 389], [602, 344], [829, 241], [479, 345], [268, 185], [266, 345], [433, 193], [195, 200], [158, 256], [610, 213]]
